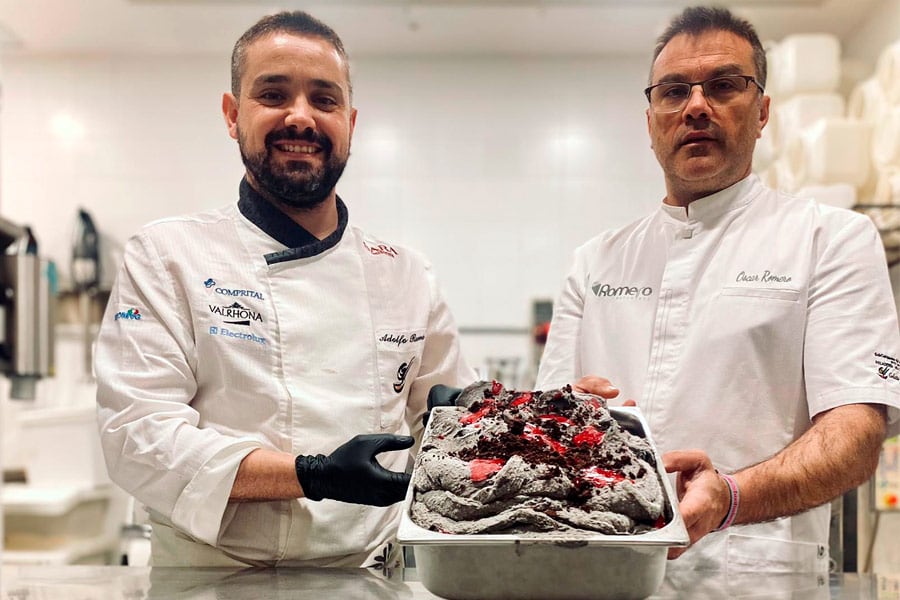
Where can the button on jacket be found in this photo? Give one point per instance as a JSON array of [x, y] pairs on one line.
[[732, 324], [233, 330]]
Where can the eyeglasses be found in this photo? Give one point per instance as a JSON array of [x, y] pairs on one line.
[[671, 97]]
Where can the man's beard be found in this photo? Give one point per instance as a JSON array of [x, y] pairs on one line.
[[296, 184]]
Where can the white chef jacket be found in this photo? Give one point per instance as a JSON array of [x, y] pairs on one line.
[[234, 329], [732, 324]]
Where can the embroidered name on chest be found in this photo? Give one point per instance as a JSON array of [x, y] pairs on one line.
[[764, 277]]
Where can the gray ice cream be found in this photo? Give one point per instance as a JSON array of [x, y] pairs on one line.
[[506, 461]]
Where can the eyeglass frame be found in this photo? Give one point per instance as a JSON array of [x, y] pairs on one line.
[[748, 78]]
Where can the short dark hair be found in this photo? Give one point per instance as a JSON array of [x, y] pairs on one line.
[[695, 20], [296, 22]]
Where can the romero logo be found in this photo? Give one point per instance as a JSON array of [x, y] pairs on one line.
[[630, 292], [402, 372]]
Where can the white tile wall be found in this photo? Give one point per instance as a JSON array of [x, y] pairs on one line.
[[495, 168]]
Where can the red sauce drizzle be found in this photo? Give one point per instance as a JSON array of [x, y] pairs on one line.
[[520, 400], [469, 418], [538, 434], [589, 436], [482, 468], [601, 477], [557, 418]]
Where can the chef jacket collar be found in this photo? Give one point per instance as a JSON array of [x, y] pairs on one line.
[[710, 207], [300, 243]]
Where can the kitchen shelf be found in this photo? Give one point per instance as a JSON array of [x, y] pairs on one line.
[[48, 525], [24, 499]]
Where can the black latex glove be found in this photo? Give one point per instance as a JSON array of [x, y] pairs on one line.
[[440, 395], [351, 473]]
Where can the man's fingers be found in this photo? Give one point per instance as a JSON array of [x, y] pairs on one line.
[[390, 443], [599, 386], [376, 443], [442, 395], [685, 460]]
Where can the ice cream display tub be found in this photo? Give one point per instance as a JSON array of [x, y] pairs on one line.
[[547, 566]]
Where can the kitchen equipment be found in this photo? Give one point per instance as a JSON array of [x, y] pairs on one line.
[[551, 566], [86, 277], [27, 310]]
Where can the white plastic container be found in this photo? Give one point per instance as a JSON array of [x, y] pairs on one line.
[[831, 151], [886, 140], [61, 446], [793, 116], [807, 63], [887, 70]]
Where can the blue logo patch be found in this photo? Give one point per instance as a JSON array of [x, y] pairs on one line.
[[133, 314], [237, 335]]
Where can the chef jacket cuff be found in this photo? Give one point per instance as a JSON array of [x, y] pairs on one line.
[[200, 507]]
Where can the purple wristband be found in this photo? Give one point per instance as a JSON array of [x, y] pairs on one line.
[[735, 502]]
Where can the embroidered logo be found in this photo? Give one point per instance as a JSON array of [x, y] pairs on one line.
[[402, 372], [240, 315], [241, 293], [377, 249], [888, 366], [630, 292], [209, 282], [133, 314], [237, 335]]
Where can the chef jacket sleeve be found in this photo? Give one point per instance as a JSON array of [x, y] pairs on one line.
[[560, 362], [442, 360], [145, 361], [852, 344]]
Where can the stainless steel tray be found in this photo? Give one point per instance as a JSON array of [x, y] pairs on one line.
[[551, 566]]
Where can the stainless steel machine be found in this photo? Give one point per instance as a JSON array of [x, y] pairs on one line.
[[28, 286]]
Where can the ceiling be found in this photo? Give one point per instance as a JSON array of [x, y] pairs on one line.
[[393, 27]]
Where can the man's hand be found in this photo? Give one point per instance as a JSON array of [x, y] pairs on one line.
[[351, 473], [703, 497], [599, 386], [440, 395]]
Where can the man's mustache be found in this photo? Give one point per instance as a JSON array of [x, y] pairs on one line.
[[307, 135]]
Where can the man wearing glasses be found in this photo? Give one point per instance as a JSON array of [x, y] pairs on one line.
[[756, 331]]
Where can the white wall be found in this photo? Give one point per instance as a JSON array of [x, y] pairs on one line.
[[881, 29], [495, 168]]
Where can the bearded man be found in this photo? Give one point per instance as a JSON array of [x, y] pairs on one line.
[[253, 360]]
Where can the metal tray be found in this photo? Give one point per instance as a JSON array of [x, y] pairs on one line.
[[550, 567]]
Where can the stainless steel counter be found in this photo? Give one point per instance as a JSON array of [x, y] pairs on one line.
[[144, 583]]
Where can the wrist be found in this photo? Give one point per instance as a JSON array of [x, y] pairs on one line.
[[309, 474], [734, 501]]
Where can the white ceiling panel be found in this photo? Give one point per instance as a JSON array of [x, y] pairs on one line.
[[393, 27]]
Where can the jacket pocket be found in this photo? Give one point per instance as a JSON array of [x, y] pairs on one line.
[[399, 356], [787, 295]]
